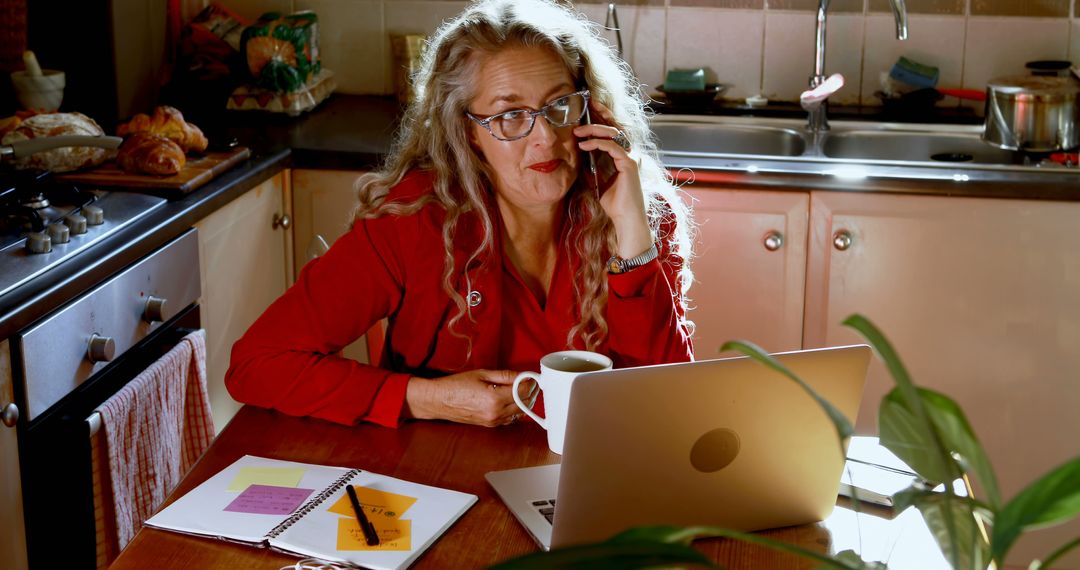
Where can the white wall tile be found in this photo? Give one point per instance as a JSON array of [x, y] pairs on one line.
[[252, 9], [413, 17], [1074, 41], [727, 43], [1000, 46], [643, 29], [932, 40], [789, 54], [351, 43]]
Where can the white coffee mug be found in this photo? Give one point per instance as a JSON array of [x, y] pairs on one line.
[[557, 373]]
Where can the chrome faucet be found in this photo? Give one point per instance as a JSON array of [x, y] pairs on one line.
[[612, 23], [814, 99]]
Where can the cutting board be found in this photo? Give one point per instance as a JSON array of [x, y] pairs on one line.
[[198, 170]]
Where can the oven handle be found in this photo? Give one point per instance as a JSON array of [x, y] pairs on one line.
[[93, 421]]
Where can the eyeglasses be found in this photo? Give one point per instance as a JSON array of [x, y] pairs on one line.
[[518, 123]]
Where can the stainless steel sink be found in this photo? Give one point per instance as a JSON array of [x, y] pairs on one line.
[[913, 146], [716, 138]]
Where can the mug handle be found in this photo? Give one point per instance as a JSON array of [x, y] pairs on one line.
[[517, 399]]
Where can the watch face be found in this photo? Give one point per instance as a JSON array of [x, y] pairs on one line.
[[614, 266]]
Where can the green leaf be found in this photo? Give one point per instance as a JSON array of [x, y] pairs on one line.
[[1052, 499], [608, 555], [664, 534], [851, 558], [957, 435], [1061, 551], [911, 440], [841, 423], [952, 520]]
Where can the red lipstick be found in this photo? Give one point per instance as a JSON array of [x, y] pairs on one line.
[[546, 167]]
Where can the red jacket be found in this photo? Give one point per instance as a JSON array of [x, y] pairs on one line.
[[392, 267]]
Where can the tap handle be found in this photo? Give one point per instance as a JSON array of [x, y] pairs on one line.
[[611, 22]]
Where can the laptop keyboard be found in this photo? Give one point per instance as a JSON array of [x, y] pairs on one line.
[[546, 507]]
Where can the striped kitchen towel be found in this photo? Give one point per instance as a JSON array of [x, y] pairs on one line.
[[156, 427]]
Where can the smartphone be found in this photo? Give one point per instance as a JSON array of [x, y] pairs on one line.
[[601, 165]]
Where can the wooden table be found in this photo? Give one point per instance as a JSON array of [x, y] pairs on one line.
[[457, 456]]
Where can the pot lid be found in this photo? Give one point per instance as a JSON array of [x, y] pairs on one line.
[[1034, 85]]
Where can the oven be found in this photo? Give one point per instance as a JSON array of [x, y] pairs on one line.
[[71, 360]]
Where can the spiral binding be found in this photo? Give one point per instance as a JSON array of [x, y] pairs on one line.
[[314, 502]]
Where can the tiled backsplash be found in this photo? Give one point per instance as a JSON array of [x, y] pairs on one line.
[[756, 46]]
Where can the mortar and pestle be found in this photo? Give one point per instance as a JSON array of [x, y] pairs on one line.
[[38, 89]]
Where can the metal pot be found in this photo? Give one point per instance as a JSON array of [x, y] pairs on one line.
[[1033, 114]]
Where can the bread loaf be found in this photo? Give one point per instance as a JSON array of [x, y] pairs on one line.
[[168, 122], [62, 159], [148, 153]]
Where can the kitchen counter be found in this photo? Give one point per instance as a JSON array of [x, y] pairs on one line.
[[350, 132]]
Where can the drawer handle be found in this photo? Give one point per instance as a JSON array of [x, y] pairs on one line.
[[282, 221], [10, 415], [100, 348], [774, 240], [842, 240]]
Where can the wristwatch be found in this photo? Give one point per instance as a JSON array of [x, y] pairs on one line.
[[617, 265]]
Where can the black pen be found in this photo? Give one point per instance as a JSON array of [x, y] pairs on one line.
[[370, 535]]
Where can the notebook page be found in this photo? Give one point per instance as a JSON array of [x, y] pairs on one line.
[[247, 499], [423, 521]]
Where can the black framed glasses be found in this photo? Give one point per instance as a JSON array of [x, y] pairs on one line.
[[518, 123]]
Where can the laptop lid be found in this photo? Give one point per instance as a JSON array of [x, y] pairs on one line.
[[726, 442]]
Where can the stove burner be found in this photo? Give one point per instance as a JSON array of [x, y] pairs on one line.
[[31, 205]]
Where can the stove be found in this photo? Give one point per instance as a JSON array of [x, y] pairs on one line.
[[44, 222]]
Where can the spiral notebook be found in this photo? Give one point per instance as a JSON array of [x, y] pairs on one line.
[[303, 509]]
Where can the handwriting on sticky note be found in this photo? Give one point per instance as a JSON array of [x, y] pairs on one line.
[[275, 476], [394, 534], [268, 500], [377, 504]]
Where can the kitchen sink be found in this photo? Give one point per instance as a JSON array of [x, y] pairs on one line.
[[913, 146], [716, 138]]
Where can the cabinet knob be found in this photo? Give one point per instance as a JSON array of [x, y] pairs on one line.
[[282, 221], [154, 312], [774, 240], [100, 348], [10, 415], [842, 240]]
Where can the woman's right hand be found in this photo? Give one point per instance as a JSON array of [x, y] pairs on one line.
[[480, 397]]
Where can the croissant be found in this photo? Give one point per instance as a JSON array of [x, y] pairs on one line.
[[150, 154], [168, 122]]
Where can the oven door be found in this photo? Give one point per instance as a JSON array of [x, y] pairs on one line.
[[72, 361]]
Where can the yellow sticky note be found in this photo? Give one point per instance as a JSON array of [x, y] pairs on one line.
[[394, 534], [378, 505], [275, 476]]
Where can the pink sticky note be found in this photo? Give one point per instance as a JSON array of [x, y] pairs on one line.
[[268, 500]]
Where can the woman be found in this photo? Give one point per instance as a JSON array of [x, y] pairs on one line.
[[488, 240]]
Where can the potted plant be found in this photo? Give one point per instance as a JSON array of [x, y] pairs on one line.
[[927, 430]]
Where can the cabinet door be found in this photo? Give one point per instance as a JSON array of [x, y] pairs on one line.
[[13, 531], [323, 205], [749, 268], [981, 299], [244, 257]]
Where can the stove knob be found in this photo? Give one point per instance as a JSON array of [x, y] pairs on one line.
[[38, 242], [77, 223], [155, 310], [59, 233], [100, 348], [95, 216]]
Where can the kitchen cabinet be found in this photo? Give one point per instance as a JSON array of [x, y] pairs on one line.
[[978, 296], [980, 299], [749, 268], [246, 252], [323, 205], [13, 531]]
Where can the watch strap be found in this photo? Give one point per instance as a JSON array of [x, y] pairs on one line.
[[617, 265]]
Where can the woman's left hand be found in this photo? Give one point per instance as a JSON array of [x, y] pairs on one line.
[[623, 200]]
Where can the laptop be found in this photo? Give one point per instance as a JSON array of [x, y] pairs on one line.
[[726, 442]]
